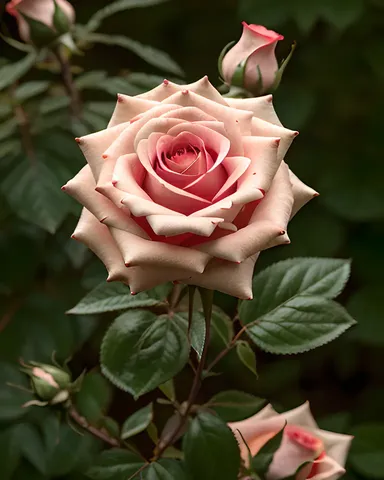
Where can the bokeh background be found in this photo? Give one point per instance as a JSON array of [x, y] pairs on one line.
[[332, 92]]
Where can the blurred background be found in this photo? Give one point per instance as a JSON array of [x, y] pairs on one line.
[[332, 92]]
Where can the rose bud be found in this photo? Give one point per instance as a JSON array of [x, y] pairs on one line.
[[251, 63], [306, 450], [42, 21], [50, 383]]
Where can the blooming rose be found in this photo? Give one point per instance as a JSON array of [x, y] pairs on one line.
[[302, 442], [187, 186], [41, 10], [257, 47]]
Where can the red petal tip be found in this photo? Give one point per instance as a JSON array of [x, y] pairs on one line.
[[63, 188], [120, 98], [262, 191], [249, 298], [78, 139], [282, 232], [103, 219], [165, 82], [269, 98], [277, 141], [73, 236], [316, 194], [114, 183], [133, 293], [104, 156], [185, 92], [295, 134]]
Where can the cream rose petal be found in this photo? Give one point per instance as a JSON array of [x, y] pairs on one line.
[[301, 192], [261, 107], [128, 107]]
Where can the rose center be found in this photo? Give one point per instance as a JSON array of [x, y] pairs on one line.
[[184, 157]]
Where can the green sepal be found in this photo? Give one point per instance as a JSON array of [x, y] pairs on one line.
[[223, 52], [60, 20], [263, 459], [237, 79], [294, 476], [39, 33], [283, 66]]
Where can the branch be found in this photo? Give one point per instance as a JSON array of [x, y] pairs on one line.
[[100, 434], [227, 349], [68, 83], [207, 304]]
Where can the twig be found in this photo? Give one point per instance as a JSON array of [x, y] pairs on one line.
[[101, 434], [68, 83], [184, 414], [143, 467], [226, 349]]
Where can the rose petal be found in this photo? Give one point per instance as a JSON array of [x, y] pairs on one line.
[[227, 277], [235, 168], [328, 469], [128, 107], [137, 251], [82, 188], [261, 107], [129, 175], [141, 207], [266, 129], [301, 192], [94, 145], [189, 114], [171, 225]]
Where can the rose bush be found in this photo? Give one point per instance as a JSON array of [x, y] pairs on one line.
[[185, 185], [256, 47], [302, 442], [41, 10]]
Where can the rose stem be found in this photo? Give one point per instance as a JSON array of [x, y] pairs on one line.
[[207, 298], [69, 85]]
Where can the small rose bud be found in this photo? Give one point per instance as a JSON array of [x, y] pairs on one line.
[[50, 383], [251, 63], [42, 21]]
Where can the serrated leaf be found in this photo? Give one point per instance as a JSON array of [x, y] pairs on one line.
[[211, 450], [137, 422], [234, 405], [246, 355], [109, 297], [283, 281], [197, 330], [115, 7], [12, 72], [31, 89], [150, 54], [301, 324], [141, 351], [262, 460], [221, 328], [366, 454], [33, 192]]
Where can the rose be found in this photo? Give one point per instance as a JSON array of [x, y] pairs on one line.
[[302, 442], [40, 10], [256, 48], [185, 185]]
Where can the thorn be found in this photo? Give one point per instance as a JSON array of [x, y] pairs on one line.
[[165, 82], [104, 155], [78, 140], [120, 98], [185, 92]]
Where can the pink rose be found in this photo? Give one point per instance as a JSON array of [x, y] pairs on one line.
[[186, 186], [302, 442], [257, 47], [41, 10]]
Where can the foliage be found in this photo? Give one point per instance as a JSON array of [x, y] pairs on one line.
[[332, 92]]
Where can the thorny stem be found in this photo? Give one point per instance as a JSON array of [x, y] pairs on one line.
[[207, 304], [68, 83], [227, 349]]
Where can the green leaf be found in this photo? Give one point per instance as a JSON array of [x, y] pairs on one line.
[[157, 472], [23, 47], [109, 297], [168, 388], [262, 460], [221, 328], [12, 72], [234, 405], [31, 446], [52, 104], [366, 454], [33, 192], [283, 281], [94, 397], [197, 330], [115, 7], [176, 468], [151, 55], [301, 324], [211, 450], [8, 128], [246, 355], [141, 351], [13, 384], [115, 464], [31, 89], [137, 422], [9, 452]]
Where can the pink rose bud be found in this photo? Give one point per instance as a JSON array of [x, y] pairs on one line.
[[56, 15], [311, 452], [252, 63]]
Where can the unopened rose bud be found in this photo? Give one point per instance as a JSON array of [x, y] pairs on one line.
[[251, 63], [42, 21], [50, 383]]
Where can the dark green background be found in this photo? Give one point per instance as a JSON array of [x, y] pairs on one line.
[[333, 93]]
